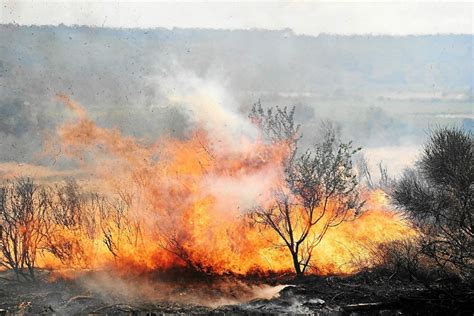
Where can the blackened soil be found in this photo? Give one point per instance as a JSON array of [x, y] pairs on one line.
[[363, 294]]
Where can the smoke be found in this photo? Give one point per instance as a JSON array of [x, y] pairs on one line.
[[148, 289], [209, 105], [242, 192], [109, 71], [396, 158], [21, 129]]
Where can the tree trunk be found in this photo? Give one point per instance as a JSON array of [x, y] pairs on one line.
[[296, 264]]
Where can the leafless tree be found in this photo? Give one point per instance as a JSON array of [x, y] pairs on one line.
[[23, 210], [70, 211], [117, 224], [174, 240], [61, 220], [320, 190], [384, 181]]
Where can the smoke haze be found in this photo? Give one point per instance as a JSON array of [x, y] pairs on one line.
[[385, 92]]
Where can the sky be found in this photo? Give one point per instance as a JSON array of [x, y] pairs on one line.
[[303, 17]]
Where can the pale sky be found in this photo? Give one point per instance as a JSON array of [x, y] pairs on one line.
[[303, 17]]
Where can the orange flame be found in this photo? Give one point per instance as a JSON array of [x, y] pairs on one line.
[[183, 202]]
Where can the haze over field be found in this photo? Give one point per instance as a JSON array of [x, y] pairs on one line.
[[385, 92]]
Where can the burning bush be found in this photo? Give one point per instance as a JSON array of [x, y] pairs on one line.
[[185, 203]]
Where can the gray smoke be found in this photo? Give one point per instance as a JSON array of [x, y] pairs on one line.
[[383, 91]]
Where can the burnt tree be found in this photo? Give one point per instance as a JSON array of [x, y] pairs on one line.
[[72, 220], [23, 225]]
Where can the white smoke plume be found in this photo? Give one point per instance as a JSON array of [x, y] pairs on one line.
[[209, 105]]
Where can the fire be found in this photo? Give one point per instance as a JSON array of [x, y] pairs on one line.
[[184, 202]]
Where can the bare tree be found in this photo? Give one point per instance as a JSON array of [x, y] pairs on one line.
[[117, 224], [384, 181], [23, 208], [438, 196], [320, 190], [72, 218], [173, 241]]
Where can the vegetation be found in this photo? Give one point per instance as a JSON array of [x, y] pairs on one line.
[[23, 205], [320, 189], [438, 197]]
